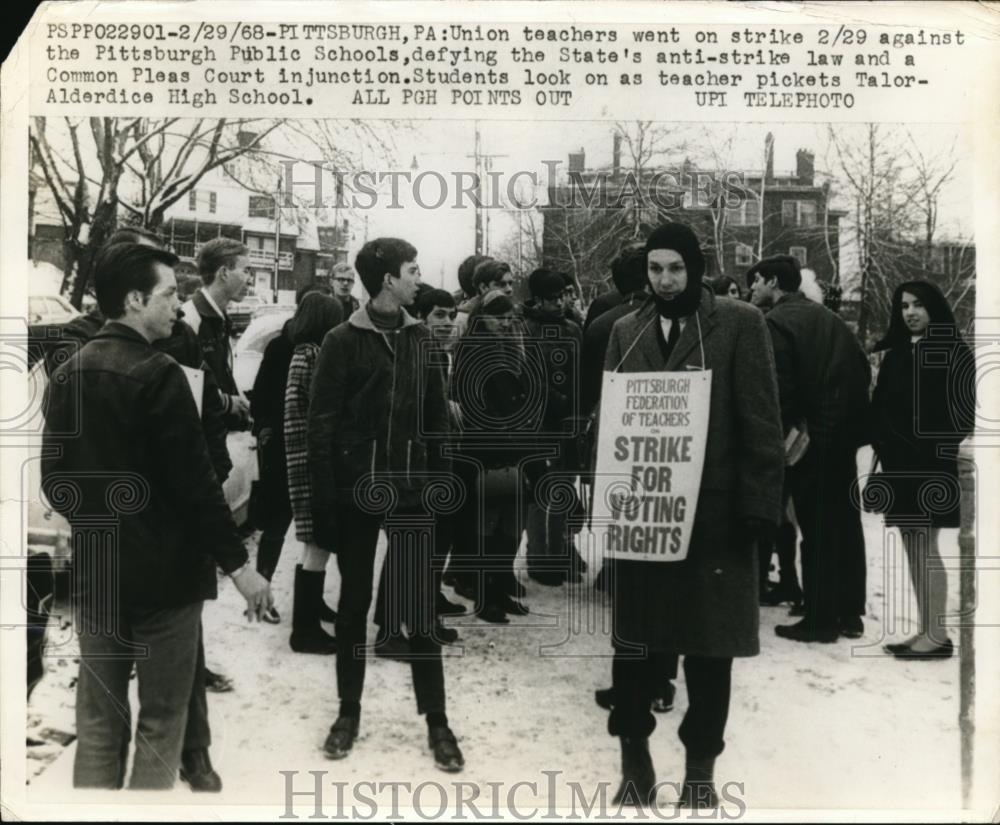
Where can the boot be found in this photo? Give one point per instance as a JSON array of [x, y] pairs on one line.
[[308, 635], [326, 613], [197, 771], [698, 791], [638, 787]]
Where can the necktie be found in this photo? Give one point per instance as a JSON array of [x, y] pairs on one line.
[[667, 345]]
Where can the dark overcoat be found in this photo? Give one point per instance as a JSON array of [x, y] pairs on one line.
[[707, 604]]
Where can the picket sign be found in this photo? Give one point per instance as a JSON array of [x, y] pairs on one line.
[[650, 457]]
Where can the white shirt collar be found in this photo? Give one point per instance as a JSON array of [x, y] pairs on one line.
[[212, 303]]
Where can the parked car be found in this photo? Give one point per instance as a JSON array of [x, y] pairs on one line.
[[50, 309], [249, 349]]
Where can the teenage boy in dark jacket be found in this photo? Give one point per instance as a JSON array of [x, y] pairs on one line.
[[130, 469], [224, 266], [552, 558], [823, 377], [376, 398]]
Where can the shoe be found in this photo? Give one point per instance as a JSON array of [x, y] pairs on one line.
[[467, 590], [445, 635], [392, 646], [340, 739], [493, 613], [895, 648], [852, 627], [804, 632], [638, 785], [308, 636], [778, 593], [663, 702], [447, 608], [197, 771], [271, 616], [550, 578], [698, 790], [514, 588], [326, 613], [447, 755], [942, 651], [797, 610], [514, 607], [217, 683], [605, 698]]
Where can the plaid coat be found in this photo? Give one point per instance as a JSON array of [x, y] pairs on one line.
[[300, 375]]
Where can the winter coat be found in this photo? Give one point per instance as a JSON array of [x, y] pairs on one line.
[[595, 345], [707, 604], [601, 304], [300, 375], [183, 347], [500, 393], [214, 332], [267, 408], [126, 456], [376, 400], [918, 425], [823, 373], [562, 374]]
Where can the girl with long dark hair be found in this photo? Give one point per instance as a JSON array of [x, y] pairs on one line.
[[314, 318], [923, 407]]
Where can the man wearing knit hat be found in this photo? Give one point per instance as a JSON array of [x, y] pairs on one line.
[[823, 379], [704, 607]]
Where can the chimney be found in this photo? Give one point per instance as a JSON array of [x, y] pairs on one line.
[[616, 155], [769, 158], [804, 163], [576, 161]]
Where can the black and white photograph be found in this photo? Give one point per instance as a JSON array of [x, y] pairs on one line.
[[490, 466]]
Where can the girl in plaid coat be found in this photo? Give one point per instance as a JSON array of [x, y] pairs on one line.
[[315, 316]]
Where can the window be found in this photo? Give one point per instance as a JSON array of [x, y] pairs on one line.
[[799, 253], [261, 206], [744, 254], [211, 202], [193, 200], [798, 213], [746, 214]]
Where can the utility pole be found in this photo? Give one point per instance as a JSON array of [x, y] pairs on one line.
[[277, 241], [484, 165]]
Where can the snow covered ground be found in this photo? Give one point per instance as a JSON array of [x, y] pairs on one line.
[[811, 726]]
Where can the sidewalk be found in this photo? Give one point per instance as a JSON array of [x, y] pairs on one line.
[[812, 726]]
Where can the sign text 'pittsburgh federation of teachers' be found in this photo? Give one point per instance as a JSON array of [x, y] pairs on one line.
[[650, 455]]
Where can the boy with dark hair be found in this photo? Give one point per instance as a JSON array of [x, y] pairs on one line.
[[467, 298], [142, 464], [376, 398]]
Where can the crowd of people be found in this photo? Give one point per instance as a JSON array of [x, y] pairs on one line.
[[456, 423]]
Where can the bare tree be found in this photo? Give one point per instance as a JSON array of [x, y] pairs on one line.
[[139, 165]]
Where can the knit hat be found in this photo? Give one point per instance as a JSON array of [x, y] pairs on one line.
[[681, 239]]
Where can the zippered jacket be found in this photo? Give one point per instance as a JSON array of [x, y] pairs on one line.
[[377, 407]]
